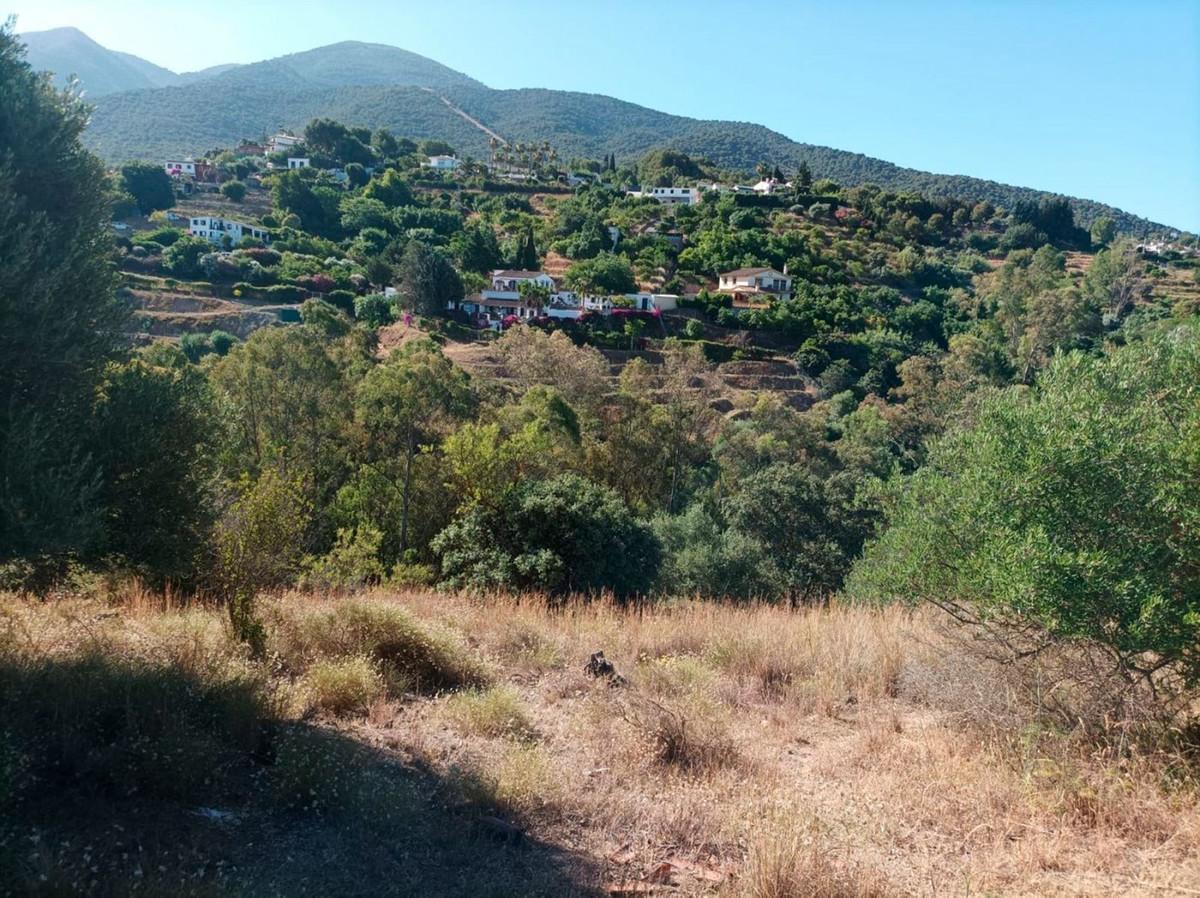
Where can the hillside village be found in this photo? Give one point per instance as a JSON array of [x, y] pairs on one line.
[[644, 229]]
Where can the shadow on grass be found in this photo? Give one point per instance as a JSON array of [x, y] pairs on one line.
[[121, 777]]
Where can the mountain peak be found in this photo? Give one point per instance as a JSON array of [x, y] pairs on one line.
[[68, 51]]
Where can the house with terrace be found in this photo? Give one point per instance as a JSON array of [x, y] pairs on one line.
[[225, 231], [514, 294], [755, 287]]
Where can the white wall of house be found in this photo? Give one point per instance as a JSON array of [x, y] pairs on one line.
[[671, 196], [298, 162], [184, 167], [282, 142], [215, 230], [443, 163], [766, 280], [512, 280]]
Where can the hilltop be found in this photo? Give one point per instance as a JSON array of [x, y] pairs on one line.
[[373, 85], [101, 71], [68, 51]]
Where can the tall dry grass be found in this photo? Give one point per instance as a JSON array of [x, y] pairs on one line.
[[925, 764]]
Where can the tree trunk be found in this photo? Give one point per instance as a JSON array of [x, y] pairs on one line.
[[408, 463]]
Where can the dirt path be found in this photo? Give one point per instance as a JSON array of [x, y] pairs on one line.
[[467, 118]]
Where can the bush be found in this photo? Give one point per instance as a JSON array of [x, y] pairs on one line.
[[691, 734], [234, 190], [374, 310], [544, 538], [283, 293], [407, 653], [341, 686], [342, 300], [1070, 511], [491, 712], [352, 563]]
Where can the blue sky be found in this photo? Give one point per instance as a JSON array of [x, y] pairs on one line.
[[1097, 99]]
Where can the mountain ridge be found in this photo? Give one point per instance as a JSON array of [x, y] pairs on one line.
[[377, 85]]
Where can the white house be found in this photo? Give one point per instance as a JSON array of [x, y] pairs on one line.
[[298, 162], [443, 163], [511, 279], [769, 186], [176, 168], [670, 196], [648, 302], [750, 286], [283, 142], [489, 308], [215, 230]]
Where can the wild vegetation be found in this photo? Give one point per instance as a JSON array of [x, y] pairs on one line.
[[310, 602]]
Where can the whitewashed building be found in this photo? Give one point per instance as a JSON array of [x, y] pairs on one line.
[[671, 196], [752, 286], [280, 142], [443, 163], [215, 230], [298, 162]]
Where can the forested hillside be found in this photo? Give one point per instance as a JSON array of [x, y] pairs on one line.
[[356, 83]]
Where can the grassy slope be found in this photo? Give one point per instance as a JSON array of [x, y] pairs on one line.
[[753, 751]]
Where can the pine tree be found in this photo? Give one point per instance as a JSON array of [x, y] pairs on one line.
[[60, 320], [527, 256], [804, 176]]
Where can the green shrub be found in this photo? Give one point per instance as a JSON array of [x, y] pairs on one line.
[[283, 293], [341, 685], [1071, 509], [352, 563], [374, 310], [491, 712], [234, 190], [409, 654]]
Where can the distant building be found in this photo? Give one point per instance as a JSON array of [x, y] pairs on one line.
[[650, 302], [198, 170], [489, 308], [280, 142], [768, 186], [215, 230], [671, 196], [298, 162], [443, 163], [506, 279], [755, 286]]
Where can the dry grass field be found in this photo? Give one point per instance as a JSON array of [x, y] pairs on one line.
[[423, 743]]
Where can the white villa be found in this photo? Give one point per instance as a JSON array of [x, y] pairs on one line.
[[215, 230], [671, 196], [753, 286], [443, 163], [769, 186], [489, 308], [176, 168], [281, 142], [298, 162]]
